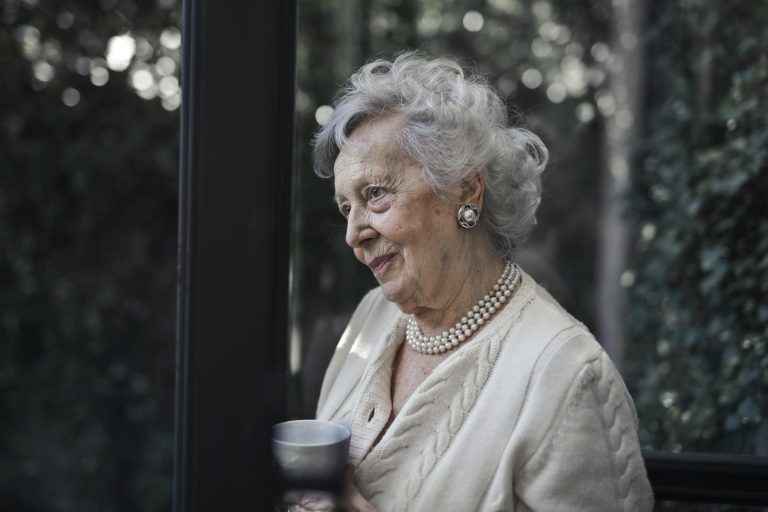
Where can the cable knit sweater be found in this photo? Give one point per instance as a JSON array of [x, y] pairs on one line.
[[530, 414]]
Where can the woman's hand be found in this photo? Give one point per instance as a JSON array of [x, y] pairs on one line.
[[353, 500], [310, 501], [314, 501]]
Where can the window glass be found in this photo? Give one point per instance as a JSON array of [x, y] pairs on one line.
[[89, 117], [652, 228]]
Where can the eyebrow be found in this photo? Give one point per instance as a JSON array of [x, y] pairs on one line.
[[363, 177], [338, 198]]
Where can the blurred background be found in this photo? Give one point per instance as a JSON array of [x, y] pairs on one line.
[[653, 228]]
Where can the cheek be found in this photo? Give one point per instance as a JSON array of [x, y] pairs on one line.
[[437, 239], [421, 231], [428, 240], [397, 225]]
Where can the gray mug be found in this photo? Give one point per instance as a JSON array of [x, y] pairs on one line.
[[310, 449]]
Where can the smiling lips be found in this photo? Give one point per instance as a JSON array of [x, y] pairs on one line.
[[378, 264]]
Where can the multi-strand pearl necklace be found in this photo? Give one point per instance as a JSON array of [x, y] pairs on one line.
[[469, 323]]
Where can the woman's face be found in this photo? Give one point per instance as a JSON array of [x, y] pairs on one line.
[[396, 224]]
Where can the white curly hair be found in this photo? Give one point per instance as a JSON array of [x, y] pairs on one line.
[[454, 124]]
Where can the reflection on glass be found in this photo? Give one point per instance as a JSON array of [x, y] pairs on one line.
[[671, 181]]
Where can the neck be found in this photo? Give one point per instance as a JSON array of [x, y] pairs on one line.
[[478, 274]]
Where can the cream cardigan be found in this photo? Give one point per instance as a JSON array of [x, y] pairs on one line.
[[528, 415]]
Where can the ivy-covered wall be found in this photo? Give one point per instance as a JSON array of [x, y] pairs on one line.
[[88, 181], [698, 313]]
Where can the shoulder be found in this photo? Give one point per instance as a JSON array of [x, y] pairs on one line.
[[573, 353], [581, 432], [572, 443], [564, 362], [579, 423], [546, 337]]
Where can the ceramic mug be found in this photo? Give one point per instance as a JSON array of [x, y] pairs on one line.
[[310, 449]]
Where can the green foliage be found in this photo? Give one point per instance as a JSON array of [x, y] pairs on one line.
[[87, 266], [699, 313], [88, 221]]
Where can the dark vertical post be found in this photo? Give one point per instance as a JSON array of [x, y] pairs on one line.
[[234, 233]]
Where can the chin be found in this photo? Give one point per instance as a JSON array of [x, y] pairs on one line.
[[395, 292]]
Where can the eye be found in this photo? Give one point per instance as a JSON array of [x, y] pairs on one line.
[[376, 192], [345, 209]]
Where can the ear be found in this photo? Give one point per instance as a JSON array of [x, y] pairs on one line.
[[473, 189]]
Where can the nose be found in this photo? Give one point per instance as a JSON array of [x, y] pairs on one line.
[[359, 228]]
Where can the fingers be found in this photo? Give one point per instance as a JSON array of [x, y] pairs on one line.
[[354, 501], [310, 501], [315, 501]]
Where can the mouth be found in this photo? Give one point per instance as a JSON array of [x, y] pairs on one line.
[[378, 265]]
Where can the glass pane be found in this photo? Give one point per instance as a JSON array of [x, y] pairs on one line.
[[697, 316], [652, 229], [89, 97]]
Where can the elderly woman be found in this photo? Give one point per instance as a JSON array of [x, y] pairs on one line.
[[464, 383]]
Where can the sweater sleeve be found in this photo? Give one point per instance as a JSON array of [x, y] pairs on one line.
[[590, 457]]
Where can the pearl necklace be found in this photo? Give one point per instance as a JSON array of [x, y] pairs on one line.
[[469, 323]]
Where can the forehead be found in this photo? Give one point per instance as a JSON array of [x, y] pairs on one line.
[[371, 149]]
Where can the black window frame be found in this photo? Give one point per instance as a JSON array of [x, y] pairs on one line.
[[234, 245], [708, 477], [238, 88]]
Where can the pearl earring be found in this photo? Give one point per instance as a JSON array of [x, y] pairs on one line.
[[468, 215]]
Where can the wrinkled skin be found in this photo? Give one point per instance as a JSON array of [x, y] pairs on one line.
[[353, 501], [407, 234]]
